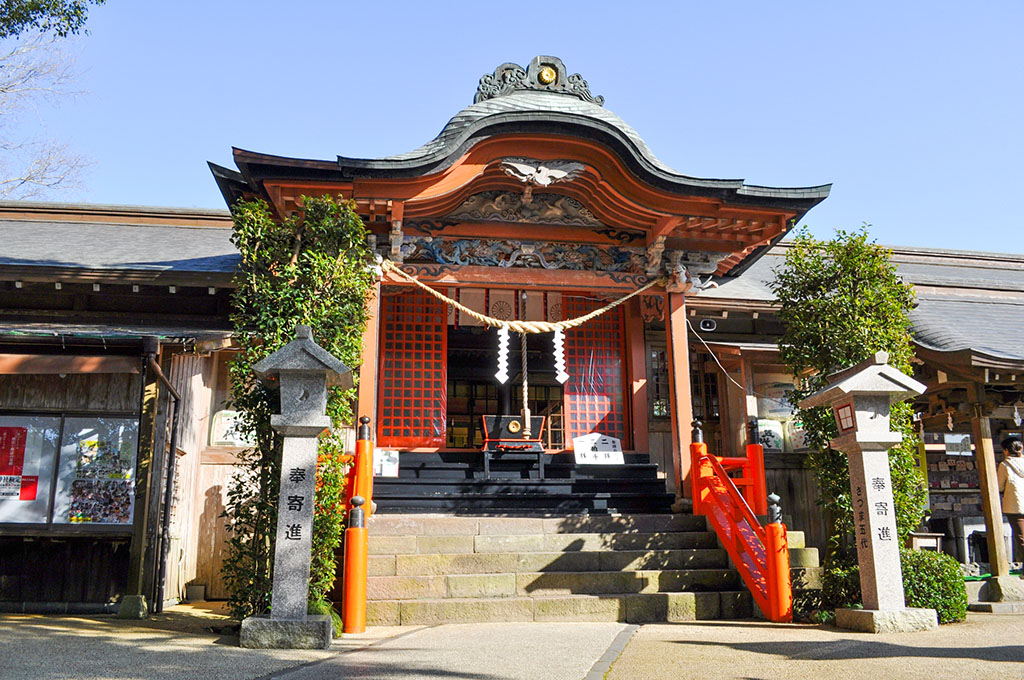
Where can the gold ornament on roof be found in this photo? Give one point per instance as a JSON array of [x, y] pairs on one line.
[[547, 75]]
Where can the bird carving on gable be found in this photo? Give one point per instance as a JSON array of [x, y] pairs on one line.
[[533, 172]]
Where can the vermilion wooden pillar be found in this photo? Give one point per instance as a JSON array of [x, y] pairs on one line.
[[636, 357], [677, 344], [366, 397]]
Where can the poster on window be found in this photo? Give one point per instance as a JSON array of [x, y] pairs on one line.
[[28, 447], [96, 479]]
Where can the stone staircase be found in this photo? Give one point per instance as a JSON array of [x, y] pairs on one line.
[[429, 568]]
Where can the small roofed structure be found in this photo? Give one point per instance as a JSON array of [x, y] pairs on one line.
[[860, 397], [303, 370], [303, 355]]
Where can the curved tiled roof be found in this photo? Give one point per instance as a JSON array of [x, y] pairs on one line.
[[525, 110], [955, 323], [527, 101], [542, 98]]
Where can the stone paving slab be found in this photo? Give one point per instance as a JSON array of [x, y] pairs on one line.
[[176, 645], [985, 646], [180, 645], [505, 651]]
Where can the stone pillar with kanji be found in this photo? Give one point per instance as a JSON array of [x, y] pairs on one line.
[[303, 371], [860, 398]]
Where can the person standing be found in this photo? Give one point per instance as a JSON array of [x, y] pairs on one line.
[[1011, 485]]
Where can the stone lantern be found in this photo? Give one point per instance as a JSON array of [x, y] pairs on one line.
[[303, 371], [860, 397]]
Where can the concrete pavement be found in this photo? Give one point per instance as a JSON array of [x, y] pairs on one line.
[[985, 646], [194, 642]]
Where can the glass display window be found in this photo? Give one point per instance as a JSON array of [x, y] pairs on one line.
[[28, 449], [96, 475]]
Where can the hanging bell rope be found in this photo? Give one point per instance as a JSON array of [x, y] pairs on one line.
[[514, 324]]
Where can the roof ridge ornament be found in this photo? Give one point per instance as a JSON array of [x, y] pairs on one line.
[[544, 74]]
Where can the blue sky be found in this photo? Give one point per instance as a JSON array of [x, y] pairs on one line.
[[913, 110]]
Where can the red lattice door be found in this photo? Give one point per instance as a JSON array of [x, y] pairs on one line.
[[413, 371], [595, 359]]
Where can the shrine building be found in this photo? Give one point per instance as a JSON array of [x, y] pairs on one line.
[[556, 307], [537, 203]]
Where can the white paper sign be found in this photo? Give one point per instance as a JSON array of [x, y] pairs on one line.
[[597, 449], [385, 463], [957, 444]]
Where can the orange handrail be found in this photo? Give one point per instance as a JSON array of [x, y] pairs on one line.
[[358, 503], [761, 554]]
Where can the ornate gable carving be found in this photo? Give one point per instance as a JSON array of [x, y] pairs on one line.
[[505, 206], [544, 74]]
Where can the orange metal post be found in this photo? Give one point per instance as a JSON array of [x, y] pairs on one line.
[[755, 468], [353, 606], [780, 587], [363, 481]]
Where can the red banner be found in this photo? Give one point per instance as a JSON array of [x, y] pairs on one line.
[[29, 485], [12, 450]]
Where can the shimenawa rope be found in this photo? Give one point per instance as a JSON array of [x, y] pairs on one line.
[[515, 324], [521, 327]]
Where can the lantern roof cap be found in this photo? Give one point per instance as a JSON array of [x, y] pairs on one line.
[[303, 355]]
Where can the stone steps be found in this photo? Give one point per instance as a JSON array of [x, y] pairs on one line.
[[516, 563], [631, 608], [434, 524], [455, 482], [552, 583], [435, 568]]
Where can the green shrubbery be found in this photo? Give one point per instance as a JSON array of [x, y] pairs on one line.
[[934, 581], [840, 301], [931, 580], [312, 268]]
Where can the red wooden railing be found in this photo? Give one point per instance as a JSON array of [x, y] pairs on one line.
[[760, 554]]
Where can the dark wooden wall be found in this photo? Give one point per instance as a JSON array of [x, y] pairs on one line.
[[787, 475], [74, 392], [77, 569]]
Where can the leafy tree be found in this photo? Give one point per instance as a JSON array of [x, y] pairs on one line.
[[61, 17], [840, 302], [311, 269]]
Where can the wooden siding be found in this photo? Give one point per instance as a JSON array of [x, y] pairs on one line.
[[210, 530], [103, 392], [190, 376], [796, 484]]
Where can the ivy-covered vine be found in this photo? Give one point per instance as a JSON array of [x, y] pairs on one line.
[[840, 302], [313, 269]]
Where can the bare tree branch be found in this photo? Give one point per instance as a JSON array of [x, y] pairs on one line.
[[34, 69], [40, 168]]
